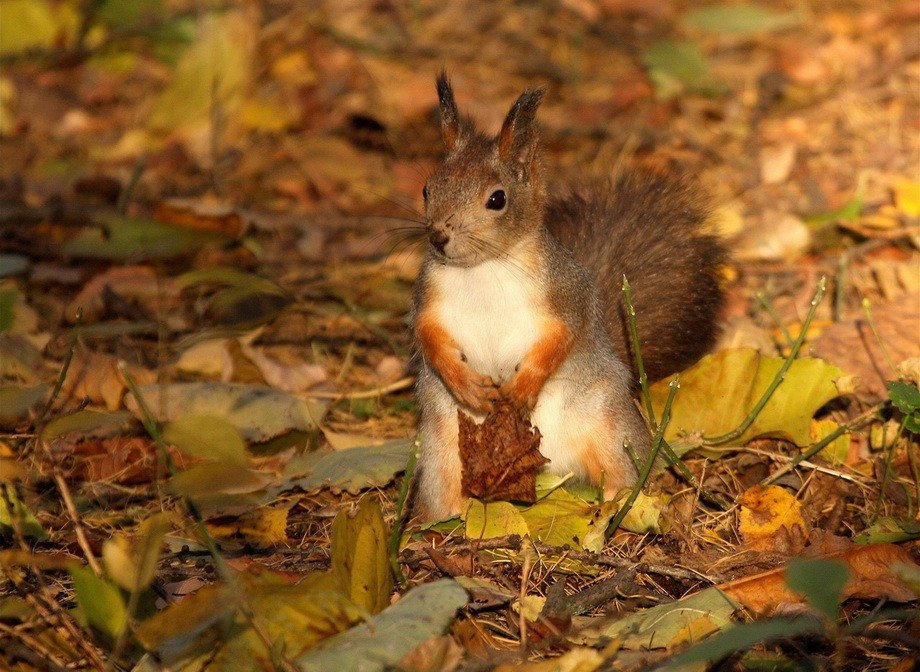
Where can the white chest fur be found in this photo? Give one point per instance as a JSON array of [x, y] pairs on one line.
[[491, 311]]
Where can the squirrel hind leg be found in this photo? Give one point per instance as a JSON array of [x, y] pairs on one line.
[[438, 495]]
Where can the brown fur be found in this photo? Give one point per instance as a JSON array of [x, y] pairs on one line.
[[647, 228]]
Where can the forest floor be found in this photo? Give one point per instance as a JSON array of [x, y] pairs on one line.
[[209, 233]]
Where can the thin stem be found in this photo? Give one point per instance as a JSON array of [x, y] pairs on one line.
[[886, 475], [840, 284], [824, 443], [220, 564], [396, 531], [867, 309], [780, 375], [637, 352], [673, 386], [768, 306]]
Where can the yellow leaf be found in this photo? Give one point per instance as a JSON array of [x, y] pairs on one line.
[[360, 560], [771, 520], [495, 519], [907, 197], [839, 449]]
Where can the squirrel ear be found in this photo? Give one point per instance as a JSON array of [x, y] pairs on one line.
[[517, 139], [450, 116]]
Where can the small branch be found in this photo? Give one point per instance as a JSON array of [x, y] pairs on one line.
[[780, 375], [673, 386], [823, 443], [637, 352], [396, 386], [867, 309], [398, 521], [220, 564], [768, 306]]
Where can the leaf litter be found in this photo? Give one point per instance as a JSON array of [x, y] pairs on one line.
[[199, 217]]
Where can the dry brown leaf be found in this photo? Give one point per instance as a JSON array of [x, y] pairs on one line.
[[871, 577], [201, 214], [438, 654], [123, 460], [500, 457], [852, 346], [95, 376], [771, 520], [133, 283]]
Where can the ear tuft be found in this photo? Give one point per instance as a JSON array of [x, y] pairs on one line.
[[450, 116], [517, 139]]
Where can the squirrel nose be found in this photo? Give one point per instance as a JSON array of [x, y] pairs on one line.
[[439, 239]]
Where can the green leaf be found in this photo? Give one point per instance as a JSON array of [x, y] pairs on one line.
[[889, 530], [848, 212], [87, 424], [687, 620], [16, 402], [207, 437], [678, 66], [742, 19], [742, 637], [561, 519], [34, 24], [214, 71], [294, 617], [100, 602], [127, 13], [132, 563], [12, 264], [377, 645], [352, 470], [258, 412], [359, 556], [134, 239], [904, 396], [493, 519], [27, 520], [7, 301], [721, 389], [820, 581]]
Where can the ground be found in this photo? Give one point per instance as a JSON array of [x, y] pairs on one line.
[[214, 211]]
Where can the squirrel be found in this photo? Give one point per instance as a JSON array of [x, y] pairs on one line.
[[519, 297]]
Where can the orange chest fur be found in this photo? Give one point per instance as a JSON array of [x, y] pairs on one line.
[[495, 312]]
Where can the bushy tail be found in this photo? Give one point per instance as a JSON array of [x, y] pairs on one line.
[[648, 228]]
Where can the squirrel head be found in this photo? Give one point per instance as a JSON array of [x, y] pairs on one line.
[[488, 193]]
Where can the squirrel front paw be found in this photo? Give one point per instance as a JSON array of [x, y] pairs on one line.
[[476, 392], [523, 390]]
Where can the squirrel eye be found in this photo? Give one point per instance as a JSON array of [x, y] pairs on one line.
[[425, 192], [496, 200]]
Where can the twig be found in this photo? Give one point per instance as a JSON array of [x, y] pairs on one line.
[[672, 457], [867, 309], [673, 386], [395, 386], [823, 443], [398, 522], [886, 475], [220, 564], [768, 306], [48, 608], [840, 283], [637, 352], [780, 375]]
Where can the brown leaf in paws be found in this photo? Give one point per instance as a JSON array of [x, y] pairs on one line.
[[501, 457]]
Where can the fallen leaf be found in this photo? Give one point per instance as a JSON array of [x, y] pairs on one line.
[[739, 19], [379, 643], [852, 345], [352, 470], [263, 527], [100, 602], [688, 620], [132, 563], [719, 391], [360, 559], [776, 163], [206, 215], [16, 402], [871, 576], [96, 376], [679, 66], [771, 520], [500, 457], [260, 413], [133, 283]]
